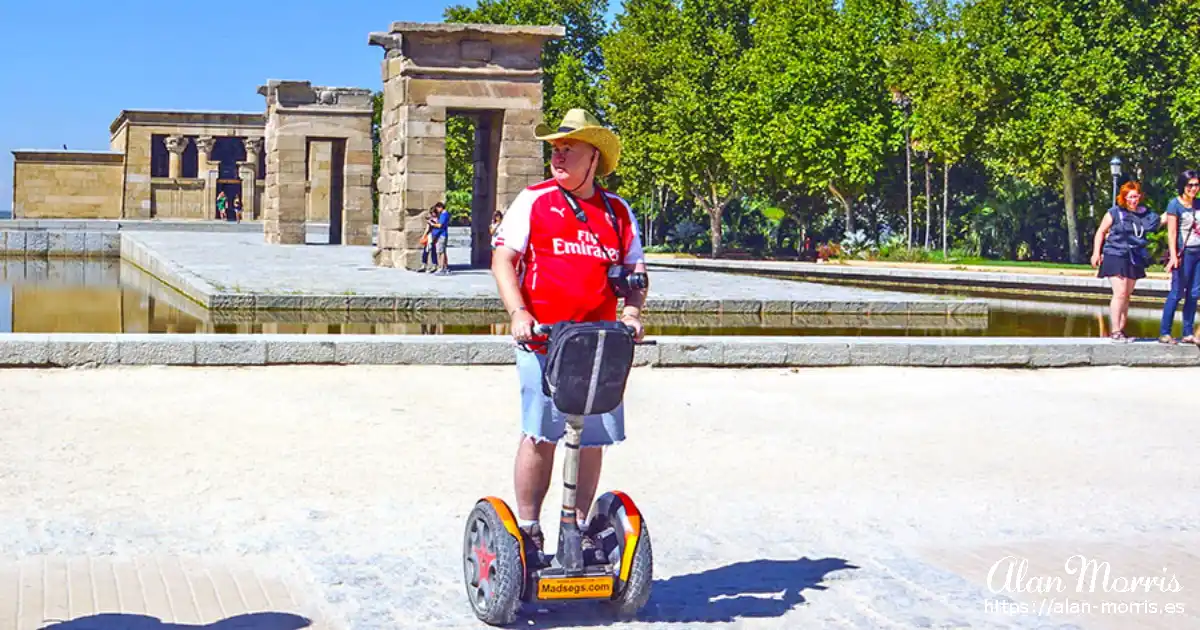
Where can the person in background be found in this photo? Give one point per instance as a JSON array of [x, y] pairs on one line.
[[1183, 228], [1119, 250], [497, 218], [222, 202], [440, 235], [237, 209], [427, 245]]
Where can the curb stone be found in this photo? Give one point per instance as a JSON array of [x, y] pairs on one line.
[[71, 350]]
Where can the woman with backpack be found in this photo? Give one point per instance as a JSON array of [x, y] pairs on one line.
[[1183, 228]]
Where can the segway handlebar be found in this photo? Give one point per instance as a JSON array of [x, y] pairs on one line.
[[544, 329]]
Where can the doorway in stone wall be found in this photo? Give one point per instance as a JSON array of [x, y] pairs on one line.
[[227, 151], [472, 151], [325, 179], [233, 190]]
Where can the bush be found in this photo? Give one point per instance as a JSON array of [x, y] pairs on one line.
[[829, 251]]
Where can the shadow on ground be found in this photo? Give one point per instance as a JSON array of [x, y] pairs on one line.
[[752, 589], [121, 621]]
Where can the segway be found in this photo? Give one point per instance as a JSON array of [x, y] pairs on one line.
[[502, 568]]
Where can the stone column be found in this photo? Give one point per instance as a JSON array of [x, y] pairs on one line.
[[205, 171], [204, 147], [176, 145], [253, 147], [357, 219], [283, 219], [520, 163], [250, 174], [413, 179]]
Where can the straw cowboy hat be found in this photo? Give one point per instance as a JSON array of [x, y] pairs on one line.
[[581, 125]]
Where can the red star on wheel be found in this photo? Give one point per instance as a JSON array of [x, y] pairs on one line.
[[483, 560]]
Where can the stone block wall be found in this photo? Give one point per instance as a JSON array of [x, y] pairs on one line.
[[178, 199], [429, 69], [67, 184], [297, 111], [132, 134]]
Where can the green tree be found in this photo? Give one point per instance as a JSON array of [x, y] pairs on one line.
[[817, 114], [572, 64], [672, 72], [1071, 87], [639, 54], [1180, 20], [572, 67], [933, 70]]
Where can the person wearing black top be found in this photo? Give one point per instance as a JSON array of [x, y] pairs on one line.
[[1119, 250]]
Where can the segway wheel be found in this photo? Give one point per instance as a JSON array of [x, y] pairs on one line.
[[617, 514], [492, 567], [636, 591]]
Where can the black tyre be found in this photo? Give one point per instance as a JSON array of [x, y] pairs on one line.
[[636, 592], [492, 567], [608, 524]]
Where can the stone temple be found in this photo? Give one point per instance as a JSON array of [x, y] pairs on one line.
[[308, 157]]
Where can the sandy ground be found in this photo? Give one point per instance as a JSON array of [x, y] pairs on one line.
[[814, 498]]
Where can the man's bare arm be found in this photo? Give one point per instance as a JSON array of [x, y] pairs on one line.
[[637, 300], [504, 269]]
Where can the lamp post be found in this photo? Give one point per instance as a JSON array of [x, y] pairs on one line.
[[903, 101], [1115, 168]]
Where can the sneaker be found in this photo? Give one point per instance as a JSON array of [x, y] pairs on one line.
[[535, 539], [593, 548]]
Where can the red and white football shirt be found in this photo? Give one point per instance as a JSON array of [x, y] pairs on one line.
[[565, 270]]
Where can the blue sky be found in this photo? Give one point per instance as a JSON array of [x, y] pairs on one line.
[[68, 68]]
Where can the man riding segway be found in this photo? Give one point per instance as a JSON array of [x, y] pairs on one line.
[[563, 231], [579, 255]]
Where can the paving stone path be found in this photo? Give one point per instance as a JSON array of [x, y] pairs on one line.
[[334, 497], [243, 263]]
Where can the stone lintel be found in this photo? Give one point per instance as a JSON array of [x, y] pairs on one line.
[[324, 111], [546, 32], [67, 157], [410, 69], [295, 94], [512, 48], [234, 120]]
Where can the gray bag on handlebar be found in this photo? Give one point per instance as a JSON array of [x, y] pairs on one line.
[[587, 365]]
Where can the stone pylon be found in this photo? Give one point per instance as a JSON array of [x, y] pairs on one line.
[[431, 71], [299, 113]]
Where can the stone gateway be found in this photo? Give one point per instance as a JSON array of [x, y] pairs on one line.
[[430, 71]]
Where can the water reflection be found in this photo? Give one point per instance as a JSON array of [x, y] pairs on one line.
[[110, 296]]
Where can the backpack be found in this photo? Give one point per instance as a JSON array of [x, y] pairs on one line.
[[587, 366]]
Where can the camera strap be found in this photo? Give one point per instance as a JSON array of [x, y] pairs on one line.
[[612, 216]]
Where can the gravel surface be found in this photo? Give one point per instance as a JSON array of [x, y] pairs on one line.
[[776, 498]]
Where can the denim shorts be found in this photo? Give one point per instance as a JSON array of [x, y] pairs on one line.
[[542, 421]]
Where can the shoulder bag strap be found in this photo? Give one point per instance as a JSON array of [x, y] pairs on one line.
[[612, 216]]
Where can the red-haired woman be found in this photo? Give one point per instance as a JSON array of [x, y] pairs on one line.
[[1119, 250]]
